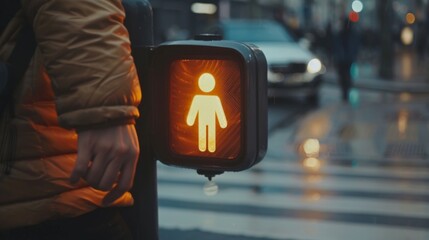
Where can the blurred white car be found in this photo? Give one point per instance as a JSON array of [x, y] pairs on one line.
[[292, 70]]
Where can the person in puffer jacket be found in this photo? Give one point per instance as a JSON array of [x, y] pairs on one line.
[[75, 110]]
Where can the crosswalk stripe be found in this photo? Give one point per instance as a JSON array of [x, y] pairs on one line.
[[353, 161], [280, 228], [308, 202], [345, 217], [329, 184], [301, 173], [417, 173], [270, 189], [167, 233]]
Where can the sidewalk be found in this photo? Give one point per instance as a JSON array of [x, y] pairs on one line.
[[410, 75], [377, 84]]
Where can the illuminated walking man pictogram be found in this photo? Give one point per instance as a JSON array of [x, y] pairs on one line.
[[209, 109]]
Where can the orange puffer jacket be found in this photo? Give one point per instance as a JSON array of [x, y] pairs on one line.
[[81, 76]]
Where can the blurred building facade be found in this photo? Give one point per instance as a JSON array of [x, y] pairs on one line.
[[177, 17], [181, 19], [386, 26]]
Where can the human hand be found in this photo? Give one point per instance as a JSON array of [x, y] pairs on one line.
[[107, 159]]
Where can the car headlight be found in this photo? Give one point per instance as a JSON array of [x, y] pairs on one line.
[[314, 66]]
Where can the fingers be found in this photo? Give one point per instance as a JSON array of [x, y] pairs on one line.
[[125, 183], [107, 166], [126, 177], [82, 163], [107, 158], [97, 170], [110, 176]]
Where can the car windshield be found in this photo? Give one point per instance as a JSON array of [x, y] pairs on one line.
[[254, 31]]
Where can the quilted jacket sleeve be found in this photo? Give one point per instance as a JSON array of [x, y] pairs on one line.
[[86, 52]]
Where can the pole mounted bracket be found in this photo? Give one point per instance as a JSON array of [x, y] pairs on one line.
[[209, 173]]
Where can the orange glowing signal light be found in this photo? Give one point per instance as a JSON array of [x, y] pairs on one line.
[[210, 105], [202, 94], [410, 18], [208, 108]]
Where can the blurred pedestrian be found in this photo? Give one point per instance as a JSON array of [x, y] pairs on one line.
[[422, 39], [345, 46], [76, 146], [328, 42]]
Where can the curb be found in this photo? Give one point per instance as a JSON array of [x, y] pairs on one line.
[[382, 85]]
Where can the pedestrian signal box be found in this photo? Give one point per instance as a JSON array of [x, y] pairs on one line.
[[211, 103]]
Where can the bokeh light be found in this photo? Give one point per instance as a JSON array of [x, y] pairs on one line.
[[314, 66], [353, 16], [407, 36], [354, 97], [311, 147], [354, 71], [203, 8], [410, 18], [312, 164], [357, 6]]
